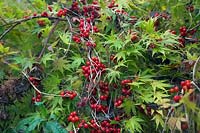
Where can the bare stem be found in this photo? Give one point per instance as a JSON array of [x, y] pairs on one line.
[[48, 38]]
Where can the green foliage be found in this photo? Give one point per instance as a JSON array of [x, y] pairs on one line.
[[139, 37], [134, 124]]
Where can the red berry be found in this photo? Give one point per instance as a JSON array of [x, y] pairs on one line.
[[184, 126], [50, 8], [38, 100], [44, 14], [177, 98], [62, 93], [86, 125], [33, 99], [176, 89], [31, 79]]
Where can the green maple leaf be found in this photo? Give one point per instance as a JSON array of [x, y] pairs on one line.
[[61, 64], [159, 121], [112, 75], [47, 57], [134, 124], [76, 61]]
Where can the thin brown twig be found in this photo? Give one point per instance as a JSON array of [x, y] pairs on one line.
[[34, 17], [8, 30], [48, 38], [17, 22], [196, 26]]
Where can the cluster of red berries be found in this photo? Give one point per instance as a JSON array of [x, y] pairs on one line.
[[190, 8], [125, 87], [119, 101], [44, 14], [112, 4], [121, 12], [73, 117], [38, 97], [91, 12], [183, 31], [104, 87], [67, 93], [75, 7], [106, 127], [186, 85], [174, 89], [162, 15], [103, 97], [90, 44], [99, 107], [93, 67], [62, 12], [83, 124], [76, 39], [35, 81]]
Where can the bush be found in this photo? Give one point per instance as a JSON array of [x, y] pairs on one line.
[[99, 66]]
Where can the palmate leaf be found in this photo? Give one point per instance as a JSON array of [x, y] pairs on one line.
[[76, 61], [65, 37], [159, 121], [47, 57], [114, 42], [25, 62], [134, 124], [112, 75], [128, 106], [61, 64], [30, 123], [160, 84], [51, 82], [54, 127], [147, 26]]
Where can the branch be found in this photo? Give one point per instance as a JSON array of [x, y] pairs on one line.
[[48, 38], [8, 30], [17, 22], [196, 26], [36, 89], [194, 69], [33, 17]]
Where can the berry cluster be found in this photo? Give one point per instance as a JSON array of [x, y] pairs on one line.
[[125, 87], [112, 4], [73, 117], [104, 87], [190, 8], [106, 127], [83, 124], [184, 32], [174, 89], [119, 101], [93, 67], [75, 7], [44, 14], [37, 98], [67, 93], [62, 12], [99, 107], [186, 85], [35, 81]]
